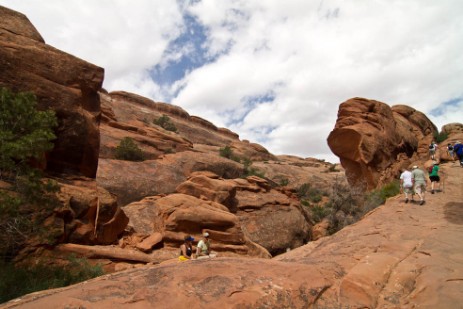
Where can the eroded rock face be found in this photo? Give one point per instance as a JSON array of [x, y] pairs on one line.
[[177, 215], [373, 140], [132, 181], [90, 213], [61, 82]]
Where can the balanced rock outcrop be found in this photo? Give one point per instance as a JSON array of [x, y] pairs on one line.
[[374, 140], [61, 82]]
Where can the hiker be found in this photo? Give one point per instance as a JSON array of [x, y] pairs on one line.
[[186, 249], [406, 183], [432, 150], [458, 149], [433, 175], [450, 151], [419, 183], [204, 246]]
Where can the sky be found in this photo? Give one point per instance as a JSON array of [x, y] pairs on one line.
[[272, 71]]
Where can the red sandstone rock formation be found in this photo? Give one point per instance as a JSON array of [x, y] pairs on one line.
[[177, 215], [411, 260], [62, 82], [373, 140]]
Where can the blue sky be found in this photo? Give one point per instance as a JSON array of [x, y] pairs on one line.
[[272, 71]]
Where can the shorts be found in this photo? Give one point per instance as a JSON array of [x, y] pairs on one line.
[[434, 178], [408, 190], [420, 187]]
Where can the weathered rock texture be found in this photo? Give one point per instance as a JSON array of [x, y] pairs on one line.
[[61, 82], [236, 213], [373, 140], [414, 259]]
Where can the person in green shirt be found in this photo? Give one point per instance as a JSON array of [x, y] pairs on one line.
[[434, 177]]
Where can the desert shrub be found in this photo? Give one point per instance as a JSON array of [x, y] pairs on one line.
[[226, 152], [378, 197], [306, 191], [319, 213], [251, 171], [284, 182], [440, 137], [348, 205], [17, 281], [26, 134], [332, 169], [165, 123], [128, 150]]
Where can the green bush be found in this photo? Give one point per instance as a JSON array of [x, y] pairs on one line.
[[165, 123], [226, 152], [319, 213], [440, 137], [128, 150], [17, 281], [306, 191], [26, 134]]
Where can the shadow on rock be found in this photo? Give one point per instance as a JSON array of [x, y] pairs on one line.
[[453, 212]]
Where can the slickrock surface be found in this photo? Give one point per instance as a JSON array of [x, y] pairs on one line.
[[399, 256]]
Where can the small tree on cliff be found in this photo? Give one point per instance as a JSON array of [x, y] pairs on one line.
[[25, 132], [128, 150], [25, 135]]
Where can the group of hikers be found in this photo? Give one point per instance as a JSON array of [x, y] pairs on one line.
[[415, 181], [203, 248], [453, 151]]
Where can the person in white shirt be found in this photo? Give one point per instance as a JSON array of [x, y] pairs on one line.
[[406, 182], [203, 249]]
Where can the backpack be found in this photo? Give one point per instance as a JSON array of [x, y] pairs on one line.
[[450, 147], [431, 147], [430, 169]]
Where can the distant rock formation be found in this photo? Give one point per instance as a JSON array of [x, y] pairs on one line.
[[374, 140], [62, 82]]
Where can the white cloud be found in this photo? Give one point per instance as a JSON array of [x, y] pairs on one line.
[[308, 56]]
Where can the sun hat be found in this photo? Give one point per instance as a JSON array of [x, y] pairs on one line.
[[206, 234], [414, 166]]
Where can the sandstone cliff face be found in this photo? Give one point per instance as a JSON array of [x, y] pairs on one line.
[[60, 81], [88, 214], [374, 140]]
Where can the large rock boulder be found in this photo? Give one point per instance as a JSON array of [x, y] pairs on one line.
[[270, 217], [177, 215], [61, 82], [374, 140], [261, 209]]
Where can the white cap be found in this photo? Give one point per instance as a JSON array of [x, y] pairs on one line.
[[415, 166], [206, 234]]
